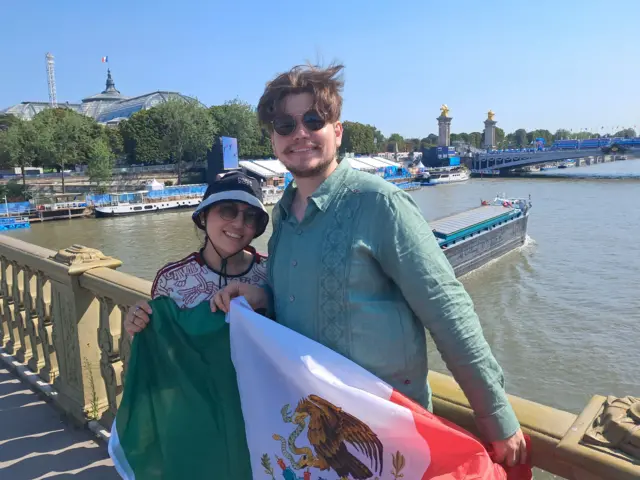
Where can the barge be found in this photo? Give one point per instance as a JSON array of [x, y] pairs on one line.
[[472, 238], [60, 207]]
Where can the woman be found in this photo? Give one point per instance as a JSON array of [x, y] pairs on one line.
[[231, 215]]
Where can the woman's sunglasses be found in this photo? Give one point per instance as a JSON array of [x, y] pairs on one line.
[[286, 124], [251, 217]]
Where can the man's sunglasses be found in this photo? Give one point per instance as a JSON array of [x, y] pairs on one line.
[[286, 124], [251, 217]]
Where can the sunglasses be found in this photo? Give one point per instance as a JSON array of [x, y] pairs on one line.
[[251, 217], [286, 124]]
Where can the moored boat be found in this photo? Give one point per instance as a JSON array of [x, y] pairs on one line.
[[409, 186], [448, 176], [146, 201], [472, 238], [59, 207], [14, 222], [567, 164]]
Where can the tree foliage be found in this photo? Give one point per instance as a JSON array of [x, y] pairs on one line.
[[65, 137], [393, 140], [188, 131], [358, 138], [238, 119], [100, 164], [19, 146]]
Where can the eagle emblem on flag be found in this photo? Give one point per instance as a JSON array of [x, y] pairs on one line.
[[329, 430]]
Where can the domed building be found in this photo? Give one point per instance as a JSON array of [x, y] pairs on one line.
[[107, 107]]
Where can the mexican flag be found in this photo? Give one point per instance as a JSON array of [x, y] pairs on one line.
[[312, 414], [243, 397]]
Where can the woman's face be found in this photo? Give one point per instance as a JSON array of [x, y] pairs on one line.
[[231, 226]]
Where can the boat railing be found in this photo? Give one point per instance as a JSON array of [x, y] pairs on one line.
[[61, 320]]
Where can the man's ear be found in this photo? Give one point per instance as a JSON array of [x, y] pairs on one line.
[[337, 127]]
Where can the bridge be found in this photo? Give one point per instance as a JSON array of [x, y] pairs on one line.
[[590, 149], [505, 161], [64, 357]]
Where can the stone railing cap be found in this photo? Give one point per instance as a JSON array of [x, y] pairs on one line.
[[79, 259]]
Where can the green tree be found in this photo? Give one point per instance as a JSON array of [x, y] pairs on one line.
[[561, 134], [19, 147], [188, 130], [432, 138], [142, 137], [425, 144], [65, 137], [358, 138], [100, 164], [521, 137], [395, 138], [626, 133], [114, 141], [475, 139], [412, 144], [14, 191], [379, 140], [499, 136], [238, 119], [7, 120]]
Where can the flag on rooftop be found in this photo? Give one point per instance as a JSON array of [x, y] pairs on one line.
[[105, 59]]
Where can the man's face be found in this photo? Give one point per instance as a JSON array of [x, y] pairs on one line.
[[306, 153]]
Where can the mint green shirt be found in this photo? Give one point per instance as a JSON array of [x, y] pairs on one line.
[[364, 275]]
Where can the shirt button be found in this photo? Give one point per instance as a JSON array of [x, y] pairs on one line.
[[292, 298], [298, 232], [294, 262]]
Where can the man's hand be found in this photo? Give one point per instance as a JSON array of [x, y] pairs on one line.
[[511, 451], [255, 296]]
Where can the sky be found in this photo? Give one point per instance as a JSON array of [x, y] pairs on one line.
[[543, 64]]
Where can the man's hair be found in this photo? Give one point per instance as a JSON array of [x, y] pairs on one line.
[[324, 84]]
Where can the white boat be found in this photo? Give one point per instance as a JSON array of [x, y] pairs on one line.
[[448, 176], [567, 164], [529, 169], [145, 201]]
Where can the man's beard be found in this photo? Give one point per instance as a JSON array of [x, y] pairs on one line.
[[312, 171]]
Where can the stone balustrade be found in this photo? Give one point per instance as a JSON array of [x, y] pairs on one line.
[[61, 316]]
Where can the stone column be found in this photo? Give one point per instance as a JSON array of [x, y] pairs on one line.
[[490, 131], [76, 318], [444, 131]]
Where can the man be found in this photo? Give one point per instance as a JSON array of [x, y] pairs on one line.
[[354, 266]]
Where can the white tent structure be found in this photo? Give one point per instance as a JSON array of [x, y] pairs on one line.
[[154, 185]]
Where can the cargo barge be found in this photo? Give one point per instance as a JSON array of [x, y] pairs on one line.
[[472, 238]]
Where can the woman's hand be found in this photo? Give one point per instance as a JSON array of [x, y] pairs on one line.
[[137, 317], [255, 296]]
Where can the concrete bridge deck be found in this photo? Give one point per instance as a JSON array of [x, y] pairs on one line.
[[36, 444], [506, 160]]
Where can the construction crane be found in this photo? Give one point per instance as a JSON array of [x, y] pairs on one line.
[[51, 80]]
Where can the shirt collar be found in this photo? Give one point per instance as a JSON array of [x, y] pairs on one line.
[[329, 188], [323, 194]]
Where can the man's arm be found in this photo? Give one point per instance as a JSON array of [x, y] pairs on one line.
[[409, 253]]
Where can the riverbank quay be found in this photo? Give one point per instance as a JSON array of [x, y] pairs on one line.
[[61, 322]]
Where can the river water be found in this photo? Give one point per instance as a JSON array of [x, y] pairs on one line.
[[562, 313]]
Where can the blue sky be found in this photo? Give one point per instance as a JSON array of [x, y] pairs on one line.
[[543, 64]]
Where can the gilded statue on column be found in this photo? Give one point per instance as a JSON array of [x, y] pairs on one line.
[[490, 115], [444, 110]]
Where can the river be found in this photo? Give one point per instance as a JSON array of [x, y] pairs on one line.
[[562, 313]]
